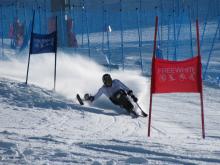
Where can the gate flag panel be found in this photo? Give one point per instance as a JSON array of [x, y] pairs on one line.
[[176, 76], [43, 43]]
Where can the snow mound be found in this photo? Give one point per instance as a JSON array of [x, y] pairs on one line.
[[23, 95]]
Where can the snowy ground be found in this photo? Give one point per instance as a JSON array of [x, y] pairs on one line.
[[39, 126]]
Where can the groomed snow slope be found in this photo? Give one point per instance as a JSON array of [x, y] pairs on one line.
[[40, 126]]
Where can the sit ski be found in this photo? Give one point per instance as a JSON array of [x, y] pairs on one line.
[[133, 114]]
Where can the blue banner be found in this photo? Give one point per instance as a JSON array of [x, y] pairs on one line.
[[43, 43]]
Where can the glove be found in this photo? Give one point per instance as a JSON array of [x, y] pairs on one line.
[[91, 98], [135, 99], [130, 92], [86, 96]]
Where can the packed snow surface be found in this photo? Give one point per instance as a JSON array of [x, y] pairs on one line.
[[42, 126]]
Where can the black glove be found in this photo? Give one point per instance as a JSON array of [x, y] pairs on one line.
[[130, 92], [135, 99], [86, 96], [91, 98]]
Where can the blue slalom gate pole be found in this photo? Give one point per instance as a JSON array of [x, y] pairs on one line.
[[73, 16], [26, 29], [174, 35], [61, 27], [122, 37], [87, 30], [45, 16], [140, 11], [107, 29], [161, 23], [29, 56], [82, 11], [168, 37], [191, 39], [205, 23], [108, 42], [159, 39], [16, 10], [218, 4], [190, 28], [219, 34], [197, 8], [55, 64], [109, 52], [2, 31], [24, 14], [181, 21], [210, 52], [139, 39], [39, 19], [103, 25]]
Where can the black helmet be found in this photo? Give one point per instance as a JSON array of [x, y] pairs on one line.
[[107, 80]]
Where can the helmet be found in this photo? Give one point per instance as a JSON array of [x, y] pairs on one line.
[[107, 80]]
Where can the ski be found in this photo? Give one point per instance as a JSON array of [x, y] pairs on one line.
[[79, 99]]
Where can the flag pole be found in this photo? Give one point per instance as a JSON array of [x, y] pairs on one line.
[[190, 27], [55, 65], [122, 36], [103, 24], [30, 48], [2, 32], [152, 76], [139, 38], [200, 79]]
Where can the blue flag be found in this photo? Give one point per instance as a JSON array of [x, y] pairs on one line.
[[43, 43]]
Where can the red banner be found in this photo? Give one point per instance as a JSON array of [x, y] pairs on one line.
[[176, 76]]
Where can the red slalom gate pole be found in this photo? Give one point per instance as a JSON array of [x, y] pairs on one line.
[[152, 75], [200, 79]]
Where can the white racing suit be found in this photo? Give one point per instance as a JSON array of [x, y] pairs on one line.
[[117, 93]]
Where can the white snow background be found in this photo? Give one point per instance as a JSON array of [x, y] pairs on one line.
[[41, 126]]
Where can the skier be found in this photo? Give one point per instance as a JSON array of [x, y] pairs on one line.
[[117, 92]]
